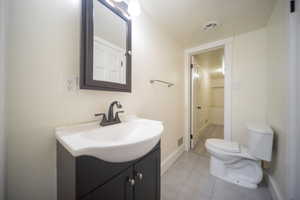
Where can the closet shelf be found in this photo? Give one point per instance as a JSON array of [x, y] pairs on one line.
[[216, 106], [217, 86]]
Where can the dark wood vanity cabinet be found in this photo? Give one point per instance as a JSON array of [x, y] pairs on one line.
[[148, 188], [118, 188], [89, 178]]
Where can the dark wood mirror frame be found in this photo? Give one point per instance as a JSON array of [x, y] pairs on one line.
[[87, 49]]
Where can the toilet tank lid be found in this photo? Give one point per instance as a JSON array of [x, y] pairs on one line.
[[260, 128]]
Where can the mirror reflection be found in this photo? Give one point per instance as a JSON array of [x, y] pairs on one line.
[[109, 58]]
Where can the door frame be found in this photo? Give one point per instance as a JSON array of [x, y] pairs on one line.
[[188, 109], [293, 102]]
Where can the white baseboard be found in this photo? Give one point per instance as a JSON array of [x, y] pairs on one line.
[[170, 160], [274, 190]]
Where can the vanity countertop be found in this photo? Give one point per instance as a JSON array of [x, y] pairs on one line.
[[122, 142]]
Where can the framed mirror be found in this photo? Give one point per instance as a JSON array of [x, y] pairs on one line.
[[105, 47]]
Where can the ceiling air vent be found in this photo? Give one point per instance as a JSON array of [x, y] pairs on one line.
[[210, 25]]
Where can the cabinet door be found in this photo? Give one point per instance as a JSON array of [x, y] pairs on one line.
[[118, 188], [147, 176]]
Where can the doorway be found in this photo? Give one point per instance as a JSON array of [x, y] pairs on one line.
[[207, 91], [207, 106]]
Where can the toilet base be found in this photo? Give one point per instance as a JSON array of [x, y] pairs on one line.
[[245, 173]]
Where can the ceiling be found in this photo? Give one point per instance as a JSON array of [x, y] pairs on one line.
[[183, 19]]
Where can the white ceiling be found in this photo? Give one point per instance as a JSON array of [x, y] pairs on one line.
[[183, 19]]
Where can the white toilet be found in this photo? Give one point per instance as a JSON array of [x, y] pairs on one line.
[[239, 164]]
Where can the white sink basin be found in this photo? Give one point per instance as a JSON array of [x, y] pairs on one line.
[[122, 142]]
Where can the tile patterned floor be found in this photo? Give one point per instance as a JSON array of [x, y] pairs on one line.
[[211, 131], [189, 179]]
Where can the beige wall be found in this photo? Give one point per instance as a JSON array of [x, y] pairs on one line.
[[277, 102], [248, 81], [43, 54], [2, 98], [260, 86]]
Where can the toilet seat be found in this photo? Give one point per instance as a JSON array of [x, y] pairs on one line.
[[227, 148]]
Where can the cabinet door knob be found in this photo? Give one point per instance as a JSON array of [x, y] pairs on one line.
[[131, 181], [139, 176]]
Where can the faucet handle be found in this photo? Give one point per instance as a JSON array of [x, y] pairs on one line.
[[117, 115], [120, 111], [101, 114]]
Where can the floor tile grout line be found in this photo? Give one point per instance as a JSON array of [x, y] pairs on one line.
[[213, 189]]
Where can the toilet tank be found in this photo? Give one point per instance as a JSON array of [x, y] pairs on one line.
[[260, 142]]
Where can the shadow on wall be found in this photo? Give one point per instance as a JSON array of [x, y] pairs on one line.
[[269, 165]]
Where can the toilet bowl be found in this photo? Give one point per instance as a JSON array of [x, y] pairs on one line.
[[239, 164]]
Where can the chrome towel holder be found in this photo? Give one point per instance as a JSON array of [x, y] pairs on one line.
[[164, 82]]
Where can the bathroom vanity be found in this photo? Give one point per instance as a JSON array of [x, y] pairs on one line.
[[89, 178], [118, 162]]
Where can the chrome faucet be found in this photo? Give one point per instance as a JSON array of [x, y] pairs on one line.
[[111, 119]]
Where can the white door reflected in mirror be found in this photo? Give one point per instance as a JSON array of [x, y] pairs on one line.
[[109, 58]]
